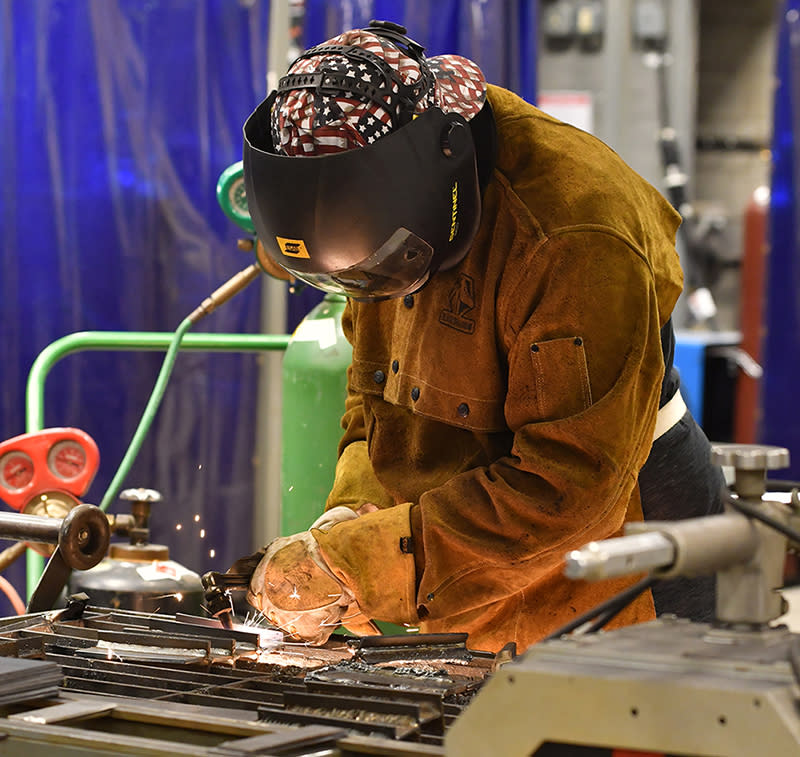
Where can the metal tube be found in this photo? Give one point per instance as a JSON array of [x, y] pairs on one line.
[[690, 547], [274, 310], [620, 557], [231, 287], [124, 341], [11, 554], [22, 527], [709, 544], [131, 341]]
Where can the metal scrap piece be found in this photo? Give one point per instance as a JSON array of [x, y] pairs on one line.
[[443, 647]]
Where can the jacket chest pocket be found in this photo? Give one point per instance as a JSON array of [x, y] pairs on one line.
[[559, 378], [456, 399]]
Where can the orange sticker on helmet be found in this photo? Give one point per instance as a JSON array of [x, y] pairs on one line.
[[293, 248]]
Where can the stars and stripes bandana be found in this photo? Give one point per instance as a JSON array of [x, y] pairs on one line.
[[317, 121]]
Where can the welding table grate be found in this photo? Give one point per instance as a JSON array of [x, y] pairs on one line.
[[125, 655]]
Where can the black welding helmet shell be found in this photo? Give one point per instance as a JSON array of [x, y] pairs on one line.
[[373, 222]]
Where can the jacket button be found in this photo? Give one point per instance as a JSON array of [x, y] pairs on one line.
[[395, 366], [415, 393], [578, 341], [463, 409], [379, 377], [408, 301], [534, 348]]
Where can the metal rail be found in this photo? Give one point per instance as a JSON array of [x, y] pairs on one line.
[[124, 341]]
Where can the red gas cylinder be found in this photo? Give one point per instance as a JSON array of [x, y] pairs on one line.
[[747, 408]]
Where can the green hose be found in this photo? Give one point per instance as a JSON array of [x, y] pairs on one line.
[[147, 416]]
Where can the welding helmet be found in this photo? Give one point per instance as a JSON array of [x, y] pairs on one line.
[[360, 168]]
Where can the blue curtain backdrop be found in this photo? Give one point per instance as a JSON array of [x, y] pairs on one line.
[[116, 119], [780, 410], [499, 35]]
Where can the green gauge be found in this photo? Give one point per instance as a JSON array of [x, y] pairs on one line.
[[232, 198]]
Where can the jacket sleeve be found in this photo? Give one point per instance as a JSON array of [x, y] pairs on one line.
[[581, 337], [355, 483]]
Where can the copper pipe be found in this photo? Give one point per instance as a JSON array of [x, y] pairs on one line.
[[10, 555]]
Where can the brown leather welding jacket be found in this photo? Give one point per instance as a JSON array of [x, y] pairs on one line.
[[499, 416]]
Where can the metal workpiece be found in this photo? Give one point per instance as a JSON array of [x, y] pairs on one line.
[[132, 680]]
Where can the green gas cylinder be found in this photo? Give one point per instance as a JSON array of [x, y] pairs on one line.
[[314, 388]]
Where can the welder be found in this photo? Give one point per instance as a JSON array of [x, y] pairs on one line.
[[511, 394]]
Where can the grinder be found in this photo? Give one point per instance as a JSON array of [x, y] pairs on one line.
[[222, 590]]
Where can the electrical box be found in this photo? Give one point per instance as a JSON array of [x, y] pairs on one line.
[[558, 21], [589, 21], [649, 23]]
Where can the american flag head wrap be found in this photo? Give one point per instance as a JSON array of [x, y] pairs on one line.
[[319, 120]]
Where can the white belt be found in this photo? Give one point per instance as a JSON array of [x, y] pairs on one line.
[[669, 415]]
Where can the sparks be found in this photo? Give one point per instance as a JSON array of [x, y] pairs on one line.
[[197, 518], [202, 533], [212, 552], [178, 526]]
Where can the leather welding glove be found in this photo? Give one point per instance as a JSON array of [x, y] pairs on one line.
[[296, 590], [247, 565], [335, 515]]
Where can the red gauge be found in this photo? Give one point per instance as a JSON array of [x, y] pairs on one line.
[[16, 470], [60, 460], [67, 459]]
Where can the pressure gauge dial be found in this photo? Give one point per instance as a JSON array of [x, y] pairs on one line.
[[16, 470], [67, 459], [38, 463]]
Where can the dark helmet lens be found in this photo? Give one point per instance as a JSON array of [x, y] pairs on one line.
[[400, 266]]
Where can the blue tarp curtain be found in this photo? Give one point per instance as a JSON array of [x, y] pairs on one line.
[[780, 422], [116, 119], [498, 36]]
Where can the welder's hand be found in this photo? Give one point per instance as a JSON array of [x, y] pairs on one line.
[[296, 590], [340, 514], [331, 517]]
